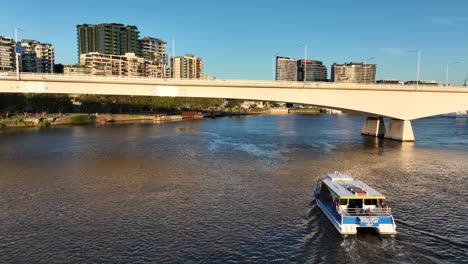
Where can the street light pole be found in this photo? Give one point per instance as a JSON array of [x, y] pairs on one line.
[[173, 58], [274, 72], [447, 70], [305, 61], [419, 62], [446, 75], [16, 54], [365, 69], [52, 62]]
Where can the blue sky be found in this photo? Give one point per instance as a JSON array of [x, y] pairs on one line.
[[238, 39]]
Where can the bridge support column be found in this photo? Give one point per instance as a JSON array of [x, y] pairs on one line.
[[400, 130], [374, 126]]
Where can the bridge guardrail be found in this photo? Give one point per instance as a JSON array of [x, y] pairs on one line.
[[387, 211], [285, 84]]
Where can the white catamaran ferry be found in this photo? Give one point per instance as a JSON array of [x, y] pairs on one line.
[[350, 204]]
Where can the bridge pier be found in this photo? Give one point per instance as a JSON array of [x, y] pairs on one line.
[[374, 126], [400, 130]]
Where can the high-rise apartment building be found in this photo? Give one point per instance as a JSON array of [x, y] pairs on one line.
[[129, 65], [153, 48], [108, 65], [116, 39], [7, 54], [187, 67], [315, 71], [354, 72], [154, 51], [36, 56], [285, 69], [87, 39]]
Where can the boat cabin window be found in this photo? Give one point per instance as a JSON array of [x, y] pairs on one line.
[[325, 194], [370, 201], [355, 203], [343, 201]]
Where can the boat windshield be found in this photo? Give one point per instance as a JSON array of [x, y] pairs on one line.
[[355, 203], [370, 202], [363, 207]]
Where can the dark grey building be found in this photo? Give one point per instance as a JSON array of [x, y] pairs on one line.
[[115, 39], [315, 71], [7, 54]]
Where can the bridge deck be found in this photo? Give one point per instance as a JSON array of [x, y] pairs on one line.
[[401, 102], [231, 83]]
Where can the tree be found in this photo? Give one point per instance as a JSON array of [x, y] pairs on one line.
[[58, 68]]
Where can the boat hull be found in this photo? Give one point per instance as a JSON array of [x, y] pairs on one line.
[[349, 225]]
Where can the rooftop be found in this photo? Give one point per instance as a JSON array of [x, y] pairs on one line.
[[347, 187], [353, 64], [153, 39]]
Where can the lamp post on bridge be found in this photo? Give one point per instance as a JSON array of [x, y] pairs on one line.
[[173, 59], [446, 72], [305, 61], [274, 59], [419, 62], [365, 69], [17, 50]]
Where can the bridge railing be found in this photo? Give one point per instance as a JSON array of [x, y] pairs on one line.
[[283, 84], [387, 211]]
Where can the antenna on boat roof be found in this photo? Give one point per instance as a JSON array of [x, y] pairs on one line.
[[346, 167]]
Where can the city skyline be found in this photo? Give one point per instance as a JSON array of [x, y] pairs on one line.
[[344, 33]]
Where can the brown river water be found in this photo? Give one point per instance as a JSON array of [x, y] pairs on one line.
[[227, 190]]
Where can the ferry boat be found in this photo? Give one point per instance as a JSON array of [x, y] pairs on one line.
[[351, 205]]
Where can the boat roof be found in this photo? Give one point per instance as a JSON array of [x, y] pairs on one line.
[[345, 187]]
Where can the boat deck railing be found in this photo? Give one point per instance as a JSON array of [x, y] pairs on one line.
[[387, 211]]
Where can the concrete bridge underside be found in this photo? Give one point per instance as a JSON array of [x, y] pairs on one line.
[[400, 103]]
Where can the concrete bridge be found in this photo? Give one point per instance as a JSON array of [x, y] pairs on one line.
[[401, 103]]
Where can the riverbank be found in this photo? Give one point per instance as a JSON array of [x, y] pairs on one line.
[[58, 119], [304, 111]]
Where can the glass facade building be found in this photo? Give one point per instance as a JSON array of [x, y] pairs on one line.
[[315, 71], [115, 39]]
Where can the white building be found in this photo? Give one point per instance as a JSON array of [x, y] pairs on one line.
[[187, 67], [108, 65], [36, 56], [254, 104], [154, 51], [354, 72], [286, 69]]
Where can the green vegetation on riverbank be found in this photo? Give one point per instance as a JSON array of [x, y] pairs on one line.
[[12, 104], [305, 111], [43, 110], [82, 119], [15, 122]]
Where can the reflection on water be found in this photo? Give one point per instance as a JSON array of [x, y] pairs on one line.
[[232, 189]]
